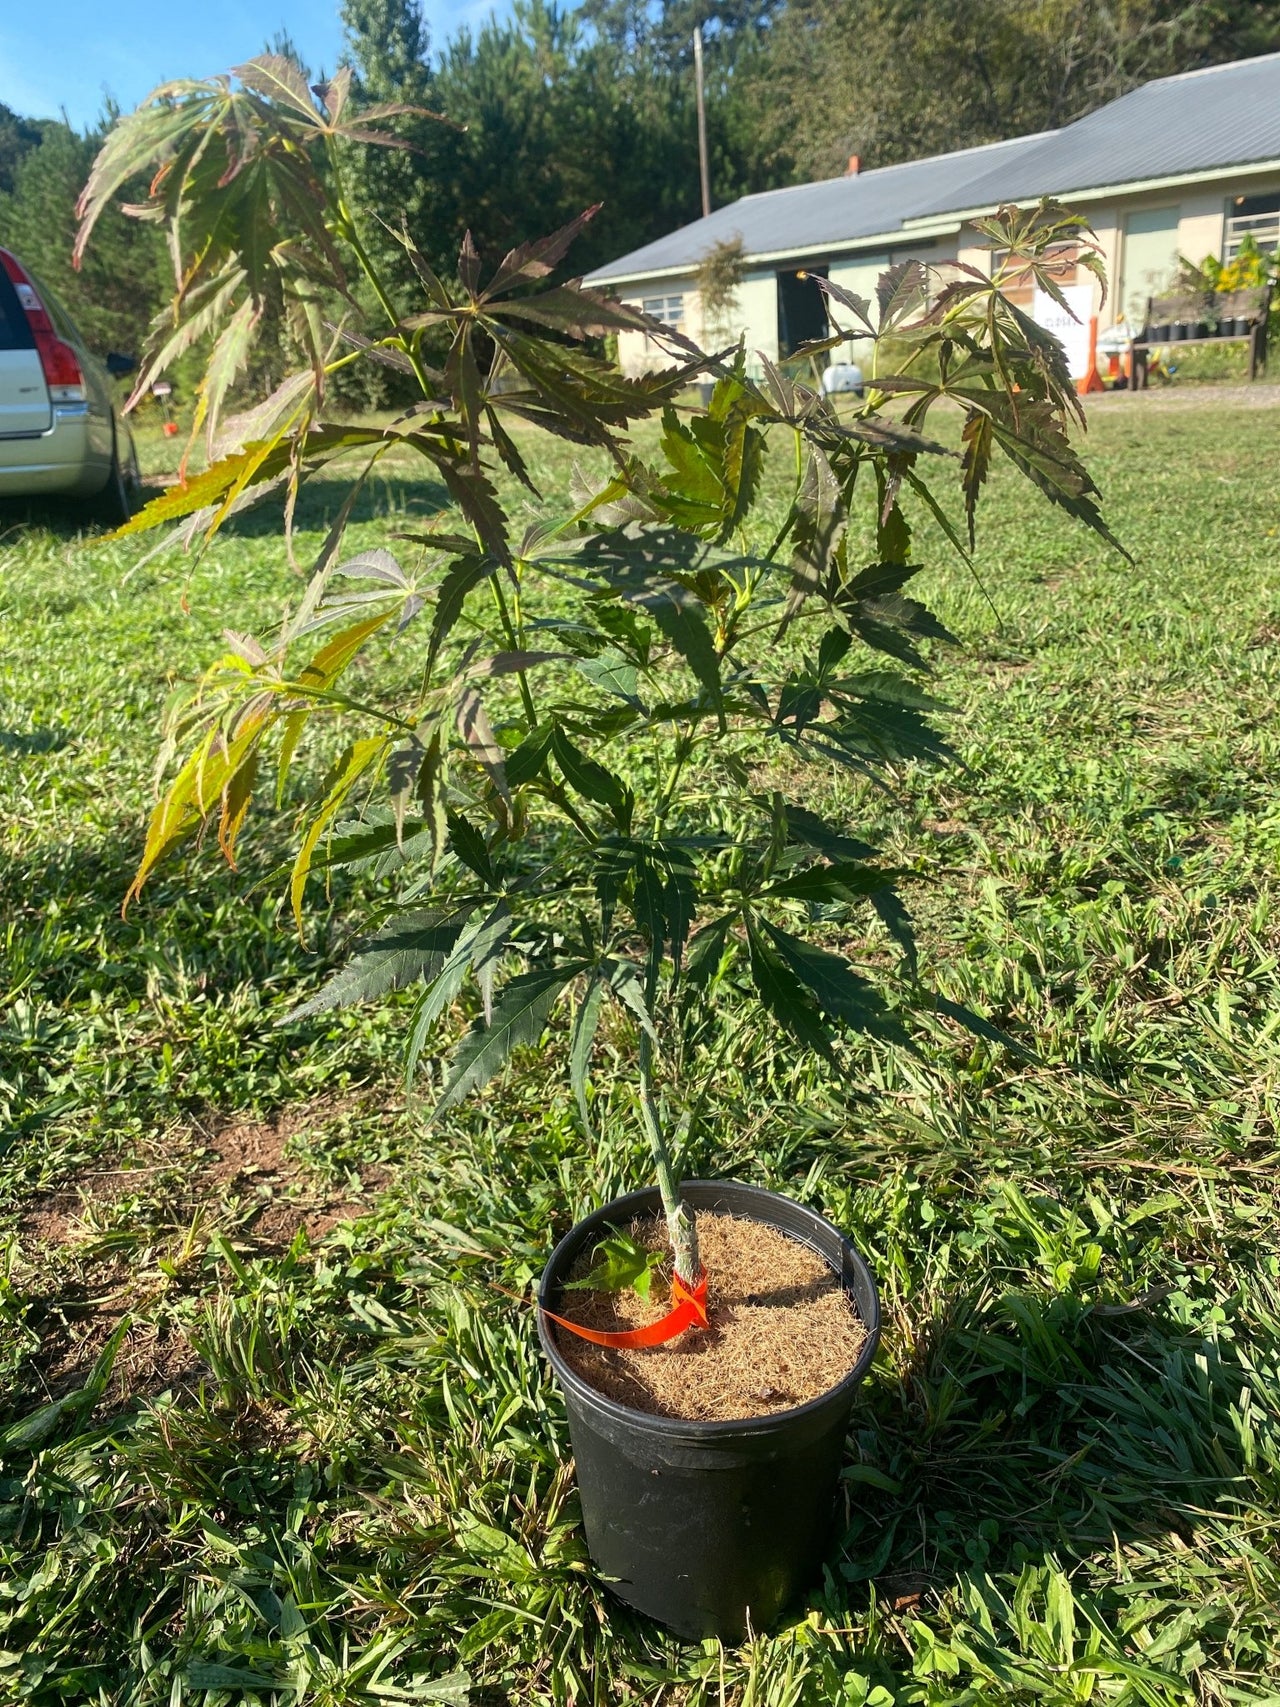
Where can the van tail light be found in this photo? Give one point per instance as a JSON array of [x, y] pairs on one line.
[[61, 365]]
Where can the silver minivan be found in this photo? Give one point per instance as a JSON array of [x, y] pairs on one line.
[[61, 432]]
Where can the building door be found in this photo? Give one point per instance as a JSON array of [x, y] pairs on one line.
[[802, 310], [1150, 259]]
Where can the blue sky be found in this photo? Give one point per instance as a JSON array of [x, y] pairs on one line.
[[70, 53]]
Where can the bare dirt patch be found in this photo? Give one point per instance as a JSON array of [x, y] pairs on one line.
[[75, 1329], [92, 1246], [252, 1162], [1258, 394], [782, 1330], [239, 1172]]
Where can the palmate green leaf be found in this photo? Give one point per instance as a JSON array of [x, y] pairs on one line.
[[847, 881], [887, 625], [207, 488], [782, 995], [893, 915], [539, 257], [357, 759], [817, 530], [474, 494], [693, 493], [1032, 436], [371, 844], [808, 828], [681, 621], [613, 674], [267, 421], [459, 580], [858, 306], [620, 1265], [201, 783], [265, 463], [205, 307], [478, 947], [226, 363], [470, 847], [585, 1022], [706, 953], [881, 731], [577, 311], [593, 781], [839, 991], [626, 984], [519, 1017], [576, 396], [236, 175], [975, 1023], [409, 946], [901, 291], [481, 742]]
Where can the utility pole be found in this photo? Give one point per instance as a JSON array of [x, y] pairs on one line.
[[702, 121]]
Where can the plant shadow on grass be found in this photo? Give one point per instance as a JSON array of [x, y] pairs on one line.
[[1034, 1427], [392, 498], [186, 967]]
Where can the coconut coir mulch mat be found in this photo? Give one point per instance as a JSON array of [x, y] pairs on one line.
[[782, 1328]]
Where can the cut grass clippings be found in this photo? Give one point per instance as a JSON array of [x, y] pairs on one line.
[[272, 1429]]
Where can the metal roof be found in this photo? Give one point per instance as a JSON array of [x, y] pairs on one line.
[[1225, 115], [828, 214]]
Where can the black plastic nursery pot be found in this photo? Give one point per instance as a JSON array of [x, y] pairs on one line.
[[713, 1528]]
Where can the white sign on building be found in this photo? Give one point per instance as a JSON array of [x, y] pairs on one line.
[[1073, 335]]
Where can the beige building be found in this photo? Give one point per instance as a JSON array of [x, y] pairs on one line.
[[1186, 165]]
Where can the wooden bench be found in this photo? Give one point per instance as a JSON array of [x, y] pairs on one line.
[[1212, 317]]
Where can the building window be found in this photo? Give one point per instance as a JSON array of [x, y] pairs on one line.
[[1252, 216], [668, 309]]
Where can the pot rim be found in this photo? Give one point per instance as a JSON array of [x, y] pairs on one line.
[[647, 1199]]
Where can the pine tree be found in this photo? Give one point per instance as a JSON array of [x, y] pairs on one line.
[[124, 277]]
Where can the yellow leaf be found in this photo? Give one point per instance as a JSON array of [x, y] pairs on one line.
[[332, 659], [203, 780], [346, 773], [235, 806]]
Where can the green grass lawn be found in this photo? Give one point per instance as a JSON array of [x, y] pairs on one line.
[[269, 1430]]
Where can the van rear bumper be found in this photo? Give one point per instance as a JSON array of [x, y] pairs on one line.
[[61, 460]]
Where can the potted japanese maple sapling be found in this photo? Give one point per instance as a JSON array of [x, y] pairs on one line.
[[518, 787]]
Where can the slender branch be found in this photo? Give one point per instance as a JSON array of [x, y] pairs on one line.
[[350, 232], [513, 641], [684, 746], [299, 690], [554, 790]]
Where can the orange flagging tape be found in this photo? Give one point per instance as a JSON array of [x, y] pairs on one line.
[[689, 1306]]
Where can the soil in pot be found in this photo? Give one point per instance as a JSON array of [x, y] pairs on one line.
[[782, 1329]]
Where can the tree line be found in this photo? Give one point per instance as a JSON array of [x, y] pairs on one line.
[[550, 109]]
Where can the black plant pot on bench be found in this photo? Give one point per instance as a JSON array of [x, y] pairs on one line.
[[713, 1528]]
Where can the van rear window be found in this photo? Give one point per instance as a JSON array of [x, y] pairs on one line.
[[15, 329]]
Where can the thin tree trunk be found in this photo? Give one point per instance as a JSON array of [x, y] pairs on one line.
[[681, 1224]]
